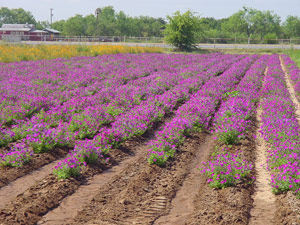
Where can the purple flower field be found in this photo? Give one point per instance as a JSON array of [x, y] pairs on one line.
[[150, 139], [91, 105]]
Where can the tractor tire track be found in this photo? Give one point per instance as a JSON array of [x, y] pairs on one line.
[[141, 193], [182, 206]]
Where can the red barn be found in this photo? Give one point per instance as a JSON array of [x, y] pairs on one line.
[[22, 32]]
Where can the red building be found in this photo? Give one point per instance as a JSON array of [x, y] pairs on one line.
[[24, 32]]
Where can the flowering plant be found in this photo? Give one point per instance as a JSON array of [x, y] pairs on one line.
[[69, 167], [226, 170], [17, 156]]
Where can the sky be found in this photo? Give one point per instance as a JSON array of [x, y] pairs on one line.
[[63, 9]]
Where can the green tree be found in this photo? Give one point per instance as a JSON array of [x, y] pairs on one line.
[[40, 25], [182, 30], [75, 26], [22, 16], [123, 24], [90, 24], [15, 16], [110, 23], [6, 16], [266, 23], [252, 22], [106, 22], [60, 26], [236, 25], [291, 26]]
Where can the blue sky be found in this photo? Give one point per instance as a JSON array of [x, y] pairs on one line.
[[64, 9]]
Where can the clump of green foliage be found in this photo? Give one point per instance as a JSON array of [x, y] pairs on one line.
[[182, 30]]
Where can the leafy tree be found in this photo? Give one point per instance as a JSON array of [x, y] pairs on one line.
[[75, 26], [106, 22], [182, 29], [60, 26], [236, 24], [15, 16], [40, 25], [123, 24], [22, 16], [266, 22], [252, 22], [90, 24], [291, 26], [6, 16]]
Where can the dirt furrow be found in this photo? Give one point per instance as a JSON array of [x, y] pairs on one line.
[[8, 174], [10, 191], [70, 206], [264, 200], [182, 206], [230, 205], [47, 194], [142, 192]]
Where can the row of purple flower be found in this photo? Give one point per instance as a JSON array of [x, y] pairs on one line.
[[138, 120], [281, 128], [197, 112], [231, 124], [81, 115]]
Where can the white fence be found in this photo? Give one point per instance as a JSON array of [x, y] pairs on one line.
[[208, 43]]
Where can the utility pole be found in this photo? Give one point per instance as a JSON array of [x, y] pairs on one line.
[[97, 14], [51, 15]]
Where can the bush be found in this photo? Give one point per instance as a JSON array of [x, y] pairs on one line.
[[270, 38], [182, 30]]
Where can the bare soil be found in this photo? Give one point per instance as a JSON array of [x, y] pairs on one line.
[[183, 204], [46, 194], [264, 200], [9, 174], [231, 205], [142, 192], [129, 191], [176, 194], [70, 206], [10, 191]]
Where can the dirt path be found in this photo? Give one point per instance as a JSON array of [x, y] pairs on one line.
[[47, 193], [264, 200], [183, 204], [71, 205], [10, 191], [142, 192], [230, 205], [10, 174]]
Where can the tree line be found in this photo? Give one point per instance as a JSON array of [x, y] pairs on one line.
[[247, 23], [107, 22]]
